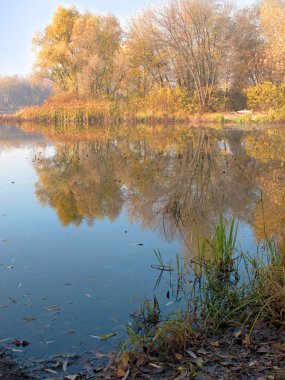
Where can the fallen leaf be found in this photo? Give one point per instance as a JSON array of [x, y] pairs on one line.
[[126, 375], [107, 336], [180, 368], [5, 340], [14, 350], [140, 361], [237, 333], [50, 371], [98, 369], [178, 356], [199, 362], [29, 319], [246, 340], [230, 356], [64, 366], [225, 364], [215, 344], [202, 352], [121, 373], [263, 350], [50, 341], [280, 346], [155, 365], [192, 354], [17, 343], [70, 332], [124, 362], [71, 377], [98, 355], [236, 368], [52, 307]]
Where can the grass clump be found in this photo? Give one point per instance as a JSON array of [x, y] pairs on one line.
[[229, 289]]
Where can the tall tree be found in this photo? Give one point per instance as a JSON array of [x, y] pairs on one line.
[[96, 44], [149, 59], [272, 16], [54, 57], [198, 33]]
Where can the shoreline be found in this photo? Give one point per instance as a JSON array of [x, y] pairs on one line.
[[227, 119], [228, 354]]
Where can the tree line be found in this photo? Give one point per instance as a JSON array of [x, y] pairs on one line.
[[17, 92], [206, 53]]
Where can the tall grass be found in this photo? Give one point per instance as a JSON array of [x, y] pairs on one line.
[[229, 289], [160, 105]]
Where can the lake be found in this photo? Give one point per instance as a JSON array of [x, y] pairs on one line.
[[83, 211]]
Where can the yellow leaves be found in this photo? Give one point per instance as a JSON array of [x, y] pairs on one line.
[[178, 356], [123, 365], [272, 14], [265, 96], [121, 373], [246, 340], [215, 344], [124, 362]]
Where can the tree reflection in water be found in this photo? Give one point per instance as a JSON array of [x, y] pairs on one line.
[[177, 181]]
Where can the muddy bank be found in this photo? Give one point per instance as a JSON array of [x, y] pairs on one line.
[[10, 370], [232, 354]]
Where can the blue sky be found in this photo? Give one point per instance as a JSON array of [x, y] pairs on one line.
[[20, 19]]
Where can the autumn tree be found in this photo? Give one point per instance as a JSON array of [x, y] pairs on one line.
[[245, 54], [272, 16], [203, 52], [53, 55], [198, 33], [96, 44], [149, 59]]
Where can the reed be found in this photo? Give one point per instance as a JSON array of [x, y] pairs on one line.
[[229, 289]]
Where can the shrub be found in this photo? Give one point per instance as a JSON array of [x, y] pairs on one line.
[[266, 96], [165, 101]]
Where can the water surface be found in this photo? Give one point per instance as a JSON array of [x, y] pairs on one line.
[[82, 211]]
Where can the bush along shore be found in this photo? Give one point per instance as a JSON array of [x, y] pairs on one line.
[[109, 115], [160, 107], [231, 325]]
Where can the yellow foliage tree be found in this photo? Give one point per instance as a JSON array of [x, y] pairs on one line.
[[272, 16], [53, 59]]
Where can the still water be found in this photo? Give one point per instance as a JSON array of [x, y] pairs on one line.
[[82, 211]]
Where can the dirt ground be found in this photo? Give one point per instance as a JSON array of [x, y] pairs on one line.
[[228, 356], [9, 370]]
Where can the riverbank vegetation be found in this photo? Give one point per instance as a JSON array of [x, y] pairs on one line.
[[232, 322], [173, 61]]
